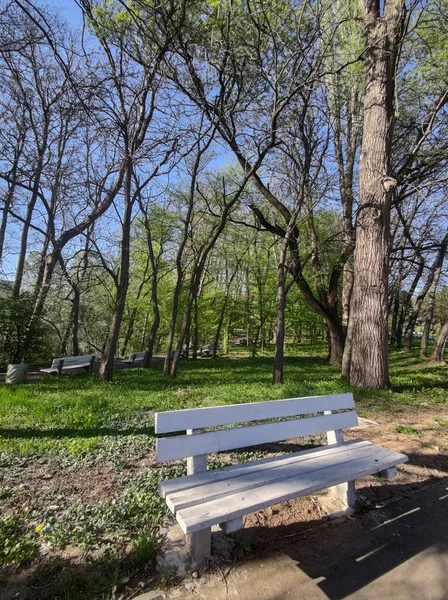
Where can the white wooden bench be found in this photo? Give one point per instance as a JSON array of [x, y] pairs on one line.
[[135, 356], [86, 362], [224, 496]]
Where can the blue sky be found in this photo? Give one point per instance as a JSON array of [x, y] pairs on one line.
[[69, 10]]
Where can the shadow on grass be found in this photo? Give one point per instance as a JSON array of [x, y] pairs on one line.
[[92, 432]]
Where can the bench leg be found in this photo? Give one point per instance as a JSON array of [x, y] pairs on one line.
[[345, 493], [388, 474], [232, 526], [199, 545]]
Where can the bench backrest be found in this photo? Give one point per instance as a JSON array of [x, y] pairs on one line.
[[73, 361], [182, 446]]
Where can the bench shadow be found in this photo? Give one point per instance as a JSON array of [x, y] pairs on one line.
[[344, 557], [29, 432]]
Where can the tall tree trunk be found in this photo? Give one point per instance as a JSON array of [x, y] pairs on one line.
[[222, 315], [438, 354], [29, 211], [347, 289], [11, 183], [369, 365], [75, 326], [154, 295], [134, 311], [348, 347], [172, 329], [394, 334], [184, 330], [429, 314], [107, 359], [434, 272], [195, 330], [64, 351], [219, 328], [277, 376]]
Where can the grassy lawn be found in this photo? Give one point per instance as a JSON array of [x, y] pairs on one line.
[[80, 512]]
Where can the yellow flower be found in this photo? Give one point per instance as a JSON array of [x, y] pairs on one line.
[[74, 530], [39, 527], [90, 414]]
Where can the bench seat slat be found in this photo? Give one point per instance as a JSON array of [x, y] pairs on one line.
[[176, 485], [283, 467], [181, 446], [236, 505], [214, 416]]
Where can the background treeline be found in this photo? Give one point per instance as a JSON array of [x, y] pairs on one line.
[[188, 173]]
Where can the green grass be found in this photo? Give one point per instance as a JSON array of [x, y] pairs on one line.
[[76, 421], [407, 430], [77, 416]]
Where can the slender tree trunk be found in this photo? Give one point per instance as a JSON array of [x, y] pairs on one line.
[[172, 330], [5, 211], [369, 365], [155, 314], [429, 314], [434, 273], [50, 264], [277, 376], [438, 354], [347, 289], [129, 332], [347, 354], [66, 336], [195, 330], [183, 333], [20, 268], [154, 296], [12, 182], [394, 337], [152, 336], [255, 344], [29, 213], [133, 315], [222, 316], [219, 328], [425, 334], [75, 326], [107, 359]]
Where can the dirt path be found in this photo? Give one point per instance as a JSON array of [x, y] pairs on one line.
[[400, 551]]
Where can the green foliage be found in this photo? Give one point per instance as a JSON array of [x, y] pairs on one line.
[[407, 430], [15, 546], [144, 549], [20, 340]]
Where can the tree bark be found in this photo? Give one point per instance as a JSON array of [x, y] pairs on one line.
[[107, 359], [222, 315], [369, 364], [429, 314], [30, 210], [347, 354], [277, 376], [154, 295], [438, 354], [195, 330], [434, 272]]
